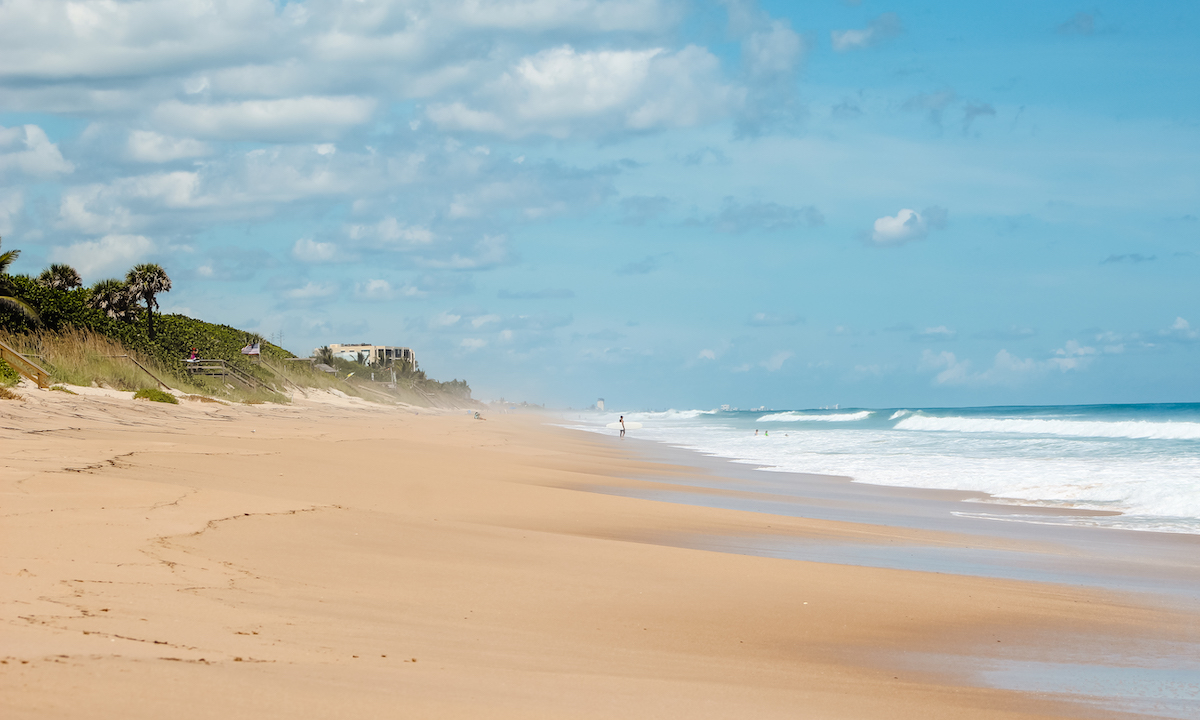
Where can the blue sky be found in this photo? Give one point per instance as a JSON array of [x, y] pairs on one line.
[[663, 203]]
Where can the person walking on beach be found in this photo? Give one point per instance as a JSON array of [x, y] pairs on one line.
[[622, 427]]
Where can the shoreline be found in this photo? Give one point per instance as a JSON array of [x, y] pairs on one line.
[[324, 559], [1120, 559]]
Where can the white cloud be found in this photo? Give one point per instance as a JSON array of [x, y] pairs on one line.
[[27, 150], [312, 291], [471, 344], [706, 355], [952, 371], [445, 319], [488, 252], [11, 204], [148, 146], [776, 50], [310, 251], [882, 28], [941, 332], [1181, 330], [482, 320], [110, 254], [561, 90], [776, 361], [1006, 368], [1073, 356], [392, 234], [374, 290], [907, 225], [283, 119]]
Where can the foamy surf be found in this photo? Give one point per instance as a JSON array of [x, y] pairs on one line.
[[806, 417], [1141, 461]]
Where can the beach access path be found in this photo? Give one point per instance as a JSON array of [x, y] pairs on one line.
[[343, 559]]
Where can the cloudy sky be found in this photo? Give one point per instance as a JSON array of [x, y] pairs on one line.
[[666, 203]]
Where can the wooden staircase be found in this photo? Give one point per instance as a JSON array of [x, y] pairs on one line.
[[24, 365]]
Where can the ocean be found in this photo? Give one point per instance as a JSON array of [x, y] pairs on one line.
[[1142, 461]]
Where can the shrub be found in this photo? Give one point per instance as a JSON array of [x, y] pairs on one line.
[[8, 375], [155, 395], [6, 394]]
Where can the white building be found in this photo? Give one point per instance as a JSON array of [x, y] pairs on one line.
[[382, 354]]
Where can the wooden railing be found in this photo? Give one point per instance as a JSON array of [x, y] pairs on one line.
[[25, 366], [222, 368]]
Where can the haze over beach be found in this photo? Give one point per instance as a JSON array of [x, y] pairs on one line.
[[669, 358]]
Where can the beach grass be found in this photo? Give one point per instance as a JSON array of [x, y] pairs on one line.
[[82, 357], [155, 395]]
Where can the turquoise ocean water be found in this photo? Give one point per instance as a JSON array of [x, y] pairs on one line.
[[1142, 461]]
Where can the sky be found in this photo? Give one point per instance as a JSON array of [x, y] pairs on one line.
[[663, 203]]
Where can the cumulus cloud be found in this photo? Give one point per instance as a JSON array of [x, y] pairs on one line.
[[1073, 356], [561, 91], [1181, 330], [907, 225], [12, 202], [375, 289], [28, 151], [273, 120], [110, 254], [312, 291], [1006, 369], [151, 147], [390, 233], [776, 361], [310, 251], [884, 27]]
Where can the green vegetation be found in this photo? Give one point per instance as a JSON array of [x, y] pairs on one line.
[[155, 395], [63, 388], [6, 394], [111, 335], [8, 375]]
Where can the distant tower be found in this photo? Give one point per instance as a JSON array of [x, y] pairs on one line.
[[600, 404]]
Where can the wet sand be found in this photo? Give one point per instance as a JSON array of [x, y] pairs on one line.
[[339, 559]]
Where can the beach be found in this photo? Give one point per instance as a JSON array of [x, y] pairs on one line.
[[337, 558]]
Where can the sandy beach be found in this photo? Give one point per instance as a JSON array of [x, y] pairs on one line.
[[336, 558]]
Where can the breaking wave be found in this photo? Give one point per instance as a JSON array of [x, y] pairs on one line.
[[1132, 429], [802, 417]]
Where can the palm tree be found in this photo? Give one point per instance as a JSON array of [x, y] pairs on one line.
[[325, 355], [360, 357], [145, 281], [114, 298], [60, 277], [8, 296]]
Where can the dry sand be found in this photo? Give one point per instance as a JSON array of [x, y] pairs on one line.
[[338, 559]]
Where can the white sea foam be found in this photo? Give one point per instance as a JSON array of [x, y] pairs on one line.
[[802, 417], [1148, 469], [1132, 429], [668, 415]]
